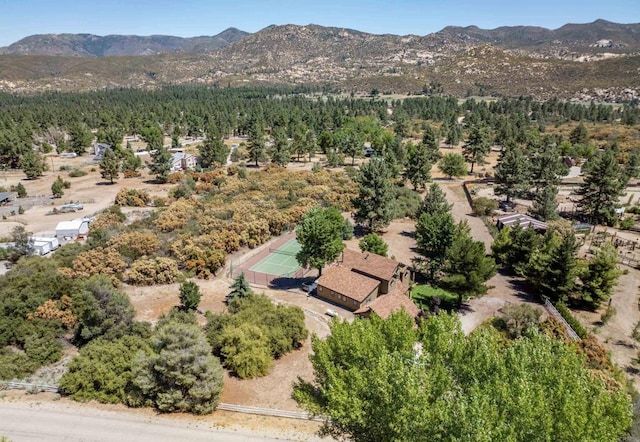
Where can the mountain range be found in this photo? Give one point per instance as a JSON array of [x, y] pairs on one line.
[[599, 60]]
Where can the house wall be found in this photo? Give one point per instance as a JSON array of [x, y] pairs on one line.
[[344, 301]]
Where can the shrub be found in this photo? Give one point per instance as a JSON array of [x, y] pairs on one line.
[[517, 319], [627, 223], [571, 320], [135, 244], [75, 173], [483, 206], [132, 198], [151, 271], [609, 313]]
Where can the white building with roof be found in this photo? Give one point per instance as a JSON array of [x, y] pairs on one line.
[[182, 161], [73, 229]]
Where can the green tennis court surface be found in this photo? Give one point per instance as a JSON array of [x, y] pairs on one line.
[[281, 261]]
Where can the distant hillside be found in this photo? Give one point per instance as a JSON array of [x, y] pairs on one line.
[[600, 33], [595, 61], [89, 45]]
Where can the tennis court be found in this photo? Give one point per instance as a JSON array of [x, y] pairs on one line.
[[281, 261]]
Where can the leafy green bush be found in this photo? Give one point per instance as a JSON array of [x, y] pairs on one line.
[[406, 203], [102, 370], [253, 333], [76, 173], [571, 320], [483, 206]]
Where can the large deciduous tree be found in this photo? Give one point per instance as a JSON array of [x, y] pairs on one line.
[[320, 235], [381, 380], [32, 164], [601, 189], [452, 164], [373, 205]]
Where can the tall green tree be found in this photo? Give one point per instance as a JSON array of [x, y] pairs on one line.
[[320, 235], [189, 296], [418, 169], [32, 164], [434, 236], [21, 190], [579, 134], [240, 289], [477, 146], [213, 150], [454, 135], [431, 144], [373, 205], [452, 164], [256, 142], [161, 164], [81, 138], [280, 151], [553, 266], [514, 246], [546, 163], [512, 173], [435, 201], [602, 186], [109, 166], [545, 204], [181, 374], [466, 266], [600, 276], [383, 380]]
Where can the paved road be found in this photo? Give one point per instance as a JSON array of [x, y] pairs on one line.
[[22, 422]]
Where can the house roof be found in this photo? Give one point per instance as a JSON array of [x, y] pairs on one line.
[[370, 264], [74, 224], [385, 305], [348, 283], [179, 156], [524, 221]]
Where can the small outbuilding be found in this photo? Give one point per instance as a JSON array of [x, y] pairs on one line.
[[52, 243], [522, 220], [76, 228]]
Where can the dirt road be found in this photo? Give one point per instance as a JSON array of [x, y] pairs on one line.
[[65, 422], [505, 290]]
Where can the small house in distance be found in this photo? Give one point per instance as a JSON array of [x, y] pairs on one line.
[[182, 161], [99, 149], [522, 220], [358, 279], [76, 228]]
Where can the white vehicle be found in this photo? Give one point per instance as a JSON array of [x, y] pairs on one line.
[[309, 286], [331, 313]]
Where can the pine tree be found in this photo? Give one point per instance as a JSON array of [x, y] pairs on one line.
[[601, 189], [512, 173], [600, 276], [431, 143], [20, 189], [256, 143], [189, 296], [435, 201], [418, 169], [32, 164], [545, 204], [477, 146], [279, 152], [546, 163], [454, 135], [109, 166], [213, 151], [57, 188], [81, 138], [373, 205], [161, 164], [579, 135], [241, 289]]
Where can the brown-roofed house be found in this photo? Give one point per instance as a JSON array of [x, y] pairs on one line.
[[384, 306], [357, 279]]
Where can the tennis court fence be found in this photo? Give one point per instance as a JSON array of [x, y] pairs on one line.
[[266, 279], [282, 252]]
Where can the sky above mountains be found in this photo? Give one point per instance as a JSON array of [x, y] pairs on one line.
[[188, 18]]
